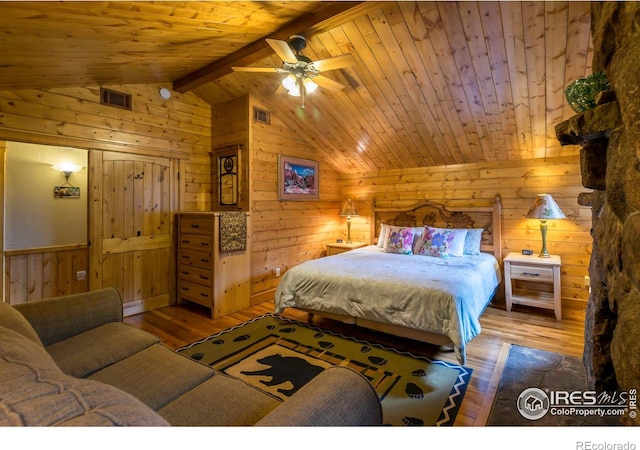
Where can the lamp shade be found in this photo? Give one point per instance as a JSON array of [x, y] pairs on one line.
[[544, 207], [309, 85], [349, 209]]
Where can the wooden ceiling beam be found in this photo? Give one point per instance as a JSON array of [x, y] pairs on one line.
[[330, 16]]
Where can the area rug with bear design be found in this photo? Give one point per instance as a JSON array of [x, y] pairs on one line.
[[278, 355]]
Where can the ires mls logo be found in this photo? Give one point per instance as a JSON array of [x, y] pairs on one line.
[[534, 403]]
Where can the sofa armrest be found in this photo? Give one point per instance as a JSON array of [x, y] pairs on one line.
[[338, 396], [59, 318]]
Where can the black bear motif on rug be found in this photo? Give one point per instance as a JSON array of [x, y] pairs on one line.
[[296, 371]]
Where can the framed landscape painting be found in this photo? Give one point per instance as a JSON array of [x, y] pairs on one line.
[[297, 179]]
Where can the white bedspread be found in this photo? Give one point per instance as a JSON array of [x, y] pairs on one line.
[[445, 296]]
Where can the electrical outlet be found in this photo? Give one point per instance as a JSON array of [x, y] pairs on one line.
[[81, 275], [587, 281], [277, 270]]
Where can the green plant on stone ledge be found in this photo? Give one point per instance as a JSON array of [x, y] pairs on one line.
[[581, 94]]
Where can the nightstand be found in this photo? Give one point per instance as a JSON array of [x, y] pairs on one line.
[[533, 281], [340, 247]]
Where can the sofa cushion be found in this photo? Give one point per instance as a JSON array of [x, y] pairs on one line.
[[78, 313], [86, 353], [33, 391], [219, 401], [156, 375], [13, 320]]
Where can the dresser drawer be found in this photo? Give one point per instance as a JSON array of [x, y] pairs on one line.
[[195, 242], [196, 293], [536, 273], [204, 260], [196, 224], [195, 275]]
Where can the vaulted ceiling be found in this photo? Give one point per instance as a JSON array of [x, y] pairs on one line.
[[435, 83]]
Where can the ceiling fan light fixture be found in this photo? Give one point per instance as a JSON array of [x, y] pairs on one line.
[[309, 85], [290, 82], [294, 91], [302, 72]]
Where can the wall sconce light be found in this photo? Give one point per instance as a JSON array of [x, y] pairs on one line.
[[348, 210], [66, 190], [67, 169], [544, 207]]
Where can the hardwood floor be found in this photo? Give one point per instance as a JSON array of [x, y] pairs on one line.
[[181, 325]]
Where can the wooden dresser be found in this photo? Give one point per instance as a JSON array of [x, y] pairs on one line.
[[220, 281]]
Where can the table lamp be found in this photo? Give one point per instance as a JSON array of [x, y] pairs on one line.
[[544, 208], [349, 210]]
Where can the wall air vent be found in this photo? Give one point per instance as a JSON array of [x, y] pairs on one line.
[[113, 98], [260, 115]]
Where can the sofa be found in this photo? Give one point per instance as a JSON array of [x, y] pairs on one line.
[[72, 361]]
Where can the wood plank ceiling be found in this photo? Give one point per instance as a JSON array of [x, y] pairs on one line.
[[435, 83]]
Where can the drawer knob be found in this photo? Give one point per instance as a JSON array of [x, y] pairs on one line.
[[531, 274]]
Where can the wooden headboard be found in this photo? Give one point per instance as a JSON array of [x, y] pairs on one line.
[[437, 215]]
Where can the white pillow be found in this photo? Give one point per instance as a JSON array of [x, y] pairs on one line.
[[382, 237]]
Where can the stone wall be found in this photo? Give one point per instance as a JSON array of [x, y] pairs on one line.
[[610, 135]]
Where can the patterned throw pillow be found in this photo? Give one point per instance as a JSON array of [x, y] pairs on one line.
[[472, 241], [441, 242], [399, 240]]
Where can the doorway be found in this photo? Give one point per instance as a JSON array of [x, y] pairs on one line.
[[132, 205], [45, 221]]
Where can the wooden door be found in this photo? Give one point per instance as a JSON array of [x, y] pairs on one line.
[[131, 214]]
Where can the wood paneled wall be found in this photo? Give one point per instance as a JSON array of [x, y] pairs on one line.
[[44, 272], [286, 233], [178, 128], [516, 182], [283, 233]]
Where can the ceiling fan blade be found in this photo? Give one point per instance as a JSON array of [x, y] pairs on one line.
[[283, 50], [256, 69], [337, 62], [281, 90], [328, 83]]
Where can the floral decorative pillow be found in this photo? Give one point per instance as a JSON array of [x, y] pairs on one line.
[[399, 240], [441, 242], [385, 229]]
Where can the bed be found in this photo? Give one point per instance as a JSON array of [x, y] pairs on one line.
[[435, 296]]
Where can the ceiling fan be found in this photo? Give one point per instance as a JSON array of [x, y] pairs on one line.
[[303, 75]]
